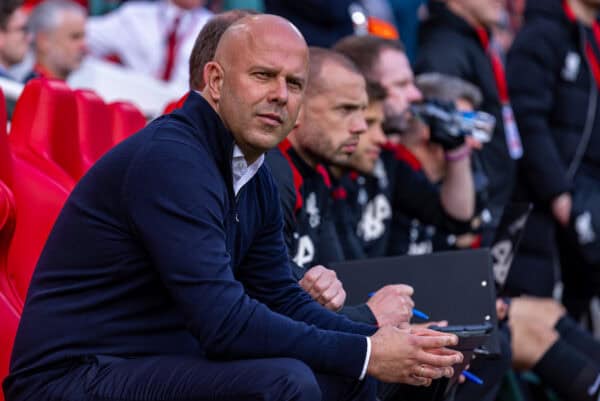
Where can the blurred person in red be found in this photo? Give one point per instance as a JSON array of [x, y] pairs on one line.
[[14, 40], [58, 29], [154, 38]]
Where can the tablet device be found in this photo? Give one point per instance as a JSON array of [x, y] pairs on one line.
[[470, 338]]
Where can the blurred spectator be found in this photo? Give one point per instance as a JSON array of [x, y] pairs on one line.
[[554, 79], [454, 40], [14, 40], [151, 37], [322, 22], [58, 29]]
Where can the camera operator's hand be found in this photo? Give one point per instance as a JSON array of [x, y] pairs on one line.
[[561, 208], [392, 305], [441, 130], [412, 356], [324, 287]]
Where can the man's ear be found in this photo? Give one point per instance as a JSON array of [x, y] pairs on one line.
[[213, 76], [299, 118]]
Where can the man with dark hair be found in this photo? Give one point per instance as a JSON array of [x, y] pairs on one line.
[[384, 61], [166, 275], [14, 40]]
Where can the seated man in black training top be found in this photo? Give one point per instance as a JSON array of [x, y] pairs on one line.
[[166, 275]]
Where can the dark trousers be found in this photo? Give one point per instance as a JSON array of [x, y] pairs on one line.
[[177, 378]]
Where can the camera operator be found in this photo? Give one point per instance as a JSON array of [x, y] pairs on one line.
[[449, 119]]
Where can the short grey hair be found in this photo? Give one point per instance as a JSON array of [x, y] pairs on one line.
[[46, 15], [448, 88]]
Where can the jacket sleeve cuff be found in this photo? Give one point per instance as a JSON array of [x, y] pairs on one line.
[[363, 373]]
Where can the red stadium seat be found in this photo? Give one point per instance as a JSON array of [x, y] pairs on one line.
[[44, 128], [7, 230], [9, 315], [5, 154], [38, 198], [126, 120], [94, 120], [9, 321]]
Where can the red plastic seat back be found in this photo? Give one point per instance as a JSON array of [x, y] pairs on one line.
[[44, 127], [7, 230], [9, 316], [94, 120], [9, 322], [5, 153], [39, 200], [126, 120]]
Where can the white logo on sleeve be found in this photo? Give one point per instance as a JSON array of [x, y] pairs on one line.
[[306, 251], [571, 66], [314, 218], [584, 228], [372, 223]]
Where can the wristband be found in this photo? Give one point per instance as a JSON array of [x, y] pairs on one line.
[[458, 154]]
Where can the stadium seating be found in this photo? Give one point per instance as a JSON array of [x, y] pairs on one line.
[[38, 197], [9, 321], [126, 120], [43, 124], [94, 125], [9, 316]]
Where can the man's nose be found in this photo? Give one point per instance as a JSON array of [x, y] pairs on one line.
[[358, 125], [279, 91]]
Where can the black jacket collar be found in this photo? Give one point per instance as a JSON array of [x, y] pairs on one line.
[[210, 130]]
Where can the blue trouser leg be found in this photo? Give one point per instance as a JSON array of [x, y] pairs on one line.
[[176, 378]]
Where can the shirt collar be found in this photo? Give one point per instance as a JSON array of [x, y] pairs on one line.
[[242, 172]]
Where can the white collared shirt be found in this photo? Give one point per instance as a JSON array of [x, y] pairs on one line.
[[242, 172]]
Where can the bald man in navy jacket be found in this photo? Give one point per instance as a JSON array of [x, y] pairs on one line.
[[166, 275]]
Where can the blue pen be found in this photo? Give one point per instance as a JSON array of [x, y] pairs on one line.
[[471, 377], [415, 311], [420, 314]]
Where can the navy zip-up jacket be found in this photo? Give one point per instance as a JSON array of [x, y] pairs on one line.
[[153, 255]]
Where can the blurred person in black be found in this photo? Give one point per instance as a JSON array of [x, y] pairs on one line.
[[14, 39], [554, 78], [362, 208], [409, 192], [454, 40], [425, 155], [327, 132], [58, 29]]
